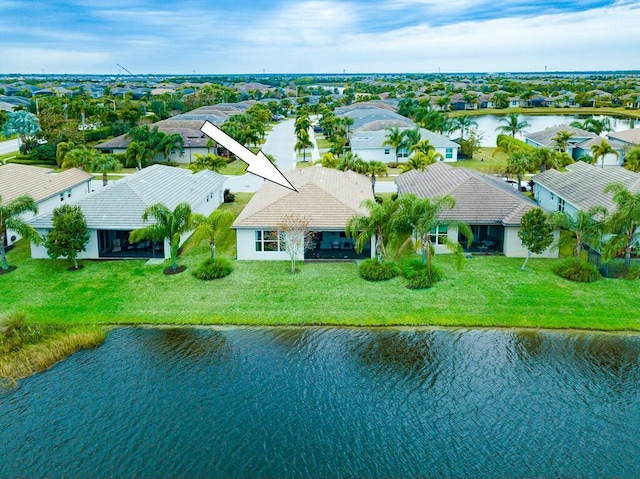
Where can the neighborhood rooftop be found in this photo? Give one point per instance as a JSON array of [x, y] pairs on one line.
[[327, 198], [545, 137], [480, 198], [39, 183], [121, 204]]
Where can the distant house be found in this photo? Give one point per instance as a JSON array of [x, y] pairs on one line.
[[113, 212], [326, 198], [579, 145], [369, 145], [491, 207], [629, 138], [48, 189], [580, 187]]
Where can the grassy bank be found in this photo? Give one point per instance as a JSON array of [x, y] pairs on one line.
[[490, 291], [40, 347]]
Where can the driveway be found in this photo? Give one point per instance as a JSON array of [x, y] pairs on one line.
[[281, 143], [8, 146]]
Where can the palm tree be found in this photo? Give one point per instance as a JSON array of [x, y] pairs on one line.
[[302, 143], [601, 151], [62, 149], [207, 162], [104, 164], [512, 125], [80, 157], [395, 139], [171, 142], [546, 158], [420, 160], [352, 161], [632, 160], [169, 225], [411, 138], [10, 219], [624, 223], [376, 224], [561, 139], [328, 160], [140, 153], [375, 168], [419, 217], [463, 123], [519, 163], [210, 228], [587, 227]]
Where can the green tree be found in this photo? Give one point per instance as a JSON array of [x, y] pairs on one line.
[[328, 160], [624, 223], [69, 235], [139, 152], [421, 217], [411, 138], [104, 164], [586, 227], [353, 162], [561, 139], [303, 141], [546, 158], [168, 225], [421, 159], [207, 162], [171, 142], [601, 150], [10, 219], [536, 232], [62, 149], [25, 125], [632, 160], [210, 229], [519, 163], [377, 224], [394, 139], [463, 123], [512, 124], [375, 169], [80, 157]]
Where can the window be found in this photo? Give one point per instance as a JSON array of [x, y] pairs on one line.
[[560, 205], [449, 153], [552, 196], [403, 153], [68, 193], [387, 151], [267, 241], [438, 235], [61, 196]]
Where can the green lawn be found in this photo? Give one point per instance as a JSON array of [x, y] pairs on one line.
[[485, 161], [322, 143], [490, 291], [236, 167]]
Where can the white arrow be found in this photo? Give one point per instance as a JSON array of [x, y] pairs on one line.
[[259, 164]]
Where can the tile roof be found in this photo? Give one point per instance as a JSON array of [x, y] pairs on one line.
[[326, 197], [121, 204], [582, 184], [480, 198], [627, 136], [362, 116], [545, 137], [39, 183]]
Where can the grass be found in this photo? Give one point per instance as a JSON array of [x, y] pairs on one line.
[[323, 144], [485, 161], [236, 167], [490, 291]]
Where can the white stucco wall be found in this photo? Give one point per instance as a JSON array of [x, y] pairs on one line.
[[378, 154], [513, 248], [246, 248]]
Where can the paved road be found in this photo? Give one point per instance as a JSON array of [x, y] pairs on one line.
[[8, 146]]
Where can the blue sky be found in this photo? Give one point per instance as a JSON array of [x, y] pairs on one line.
[[317, 36]]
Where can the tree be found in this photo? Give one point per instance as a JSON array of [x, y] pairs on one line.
[[593, 125], [10, 219], [421, 217], [104, 164], [601, 151], [171, 142], [394, 139], [546, 158], [69, 235], [303, 142], [375, 169], [62, 149], [561, 139], [376, 224], [586, 226], [80, 157], [25, 125], [168, 225], [210, 228], [518, 164], [139, 152], [536, 232], [512, 124], [353, 162], [624, 223], [329, 161], [420, 160], [411, 138], [463, 123], [207, 162], [632, 160], [295, 237]]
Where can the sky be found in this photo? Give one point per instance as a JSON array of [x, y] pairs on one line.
[[317, 36]]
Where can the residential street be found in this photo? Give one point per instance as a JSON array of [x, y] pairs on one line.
[[8, 146]]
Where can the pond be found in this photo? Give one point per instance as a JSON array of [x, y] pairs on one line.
[[330, 402], [487, 124]]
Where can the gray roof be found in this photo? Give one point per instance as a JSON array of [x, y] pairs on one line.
[[39, 183], [362, 116], [626, 136], [480, 198], [121, 204], [582, 184], [545, 137], [326, 197], [367, 139]]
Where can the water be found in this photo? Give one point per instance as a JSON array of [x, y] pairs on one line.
[[330, 402], [487, 124]]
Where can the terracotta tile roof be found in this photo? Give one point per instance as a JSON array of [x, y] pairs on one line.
[[326, 197], [39, 183], [480, 199]]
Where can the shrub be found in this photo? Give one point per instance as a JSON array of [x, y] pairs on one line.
[[44, 154], [213, 269], [633, 272], [228, 196], [576, 270], [420, 280], [374, 270], [416, 273], [11, 323]]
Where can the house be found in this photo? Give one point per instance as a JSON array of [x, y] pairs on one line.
[[491, 207], [326, 198], [113, 212], [578, 146], [48, 189], [365, 113], [580, 187], [369, 145], [630, 138]]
